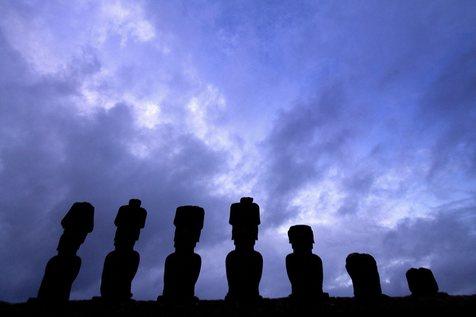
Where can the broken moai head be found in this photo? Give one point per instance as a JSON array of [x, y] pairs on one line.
[[301, 238], [188, 223], [363, 271], [245, 219], [77, 223], [421, 282]]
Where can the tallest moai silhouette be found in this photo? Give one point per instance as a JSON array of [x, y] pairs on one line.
[[244, 265]]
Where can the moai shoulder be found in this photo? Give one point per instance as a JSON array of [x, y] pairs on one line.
[[120, 268], [60, 273]]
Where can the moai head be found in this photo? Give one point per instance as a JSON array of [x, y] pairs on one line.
[[131, 216], [188, 223], [245, 219], [301, 238], [80, 217], [129, 221], [77, 223], [422, 282], [363, 271], [134, 202]]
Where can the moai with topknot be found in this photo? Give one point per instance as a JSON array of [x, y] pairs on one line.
[[362, 269], [182, 267], [422, 282], [62, 269], [244, 265], [303, 267], [120, 265]]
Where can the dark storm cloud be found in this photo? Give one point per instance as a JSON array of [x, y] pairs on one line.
[[445, 242], [52, 156], [433, 151], [448, 107], [354, 117], [304, 142]]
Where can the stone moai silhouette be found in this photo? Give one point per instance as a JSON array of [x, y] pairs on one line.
[[244, 265], [303, 267], [182, 267], [62, 269], [363, 271], [120, 265], [422, 282]]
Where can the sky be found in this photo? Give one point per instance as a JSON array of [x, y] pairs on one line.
[[354, 117]]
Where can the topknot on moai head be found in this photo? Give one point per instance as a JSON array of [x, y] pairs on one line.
[[244, 213], [134, 202], [80, 217], [300, 234], [190, 216]]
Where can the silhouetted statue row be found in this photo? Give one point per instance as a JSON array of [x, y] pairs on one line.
[[244, 265]]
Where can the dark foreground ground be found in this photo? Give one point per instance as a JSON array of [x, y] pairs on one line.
[[268, 307]]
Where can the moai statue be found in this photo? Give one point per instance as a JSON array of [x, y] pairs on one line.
[[422, 282], [244, 265], [304, 268], [62, 269], [182, 267], [120, 265], [363, 271]]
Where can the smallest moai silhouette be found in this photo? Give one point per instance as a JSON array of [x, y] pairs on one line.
[[120, 265], [62, 269], [422, 282], [363, 271], [182, 267], [244, 265], [303, 267]]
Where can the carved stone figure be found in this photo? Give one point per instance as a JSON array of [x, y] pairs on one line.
[[62, 269], [363, 271], [422, 282], [244, 265], [121, 264], [303, 267], [182, 267]]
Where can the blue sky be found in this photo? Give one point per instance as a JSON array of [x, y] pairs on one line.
[[355, 117]]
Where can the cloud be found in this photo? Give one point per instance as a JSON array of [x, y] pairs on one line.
[[53, 154], [357, 120], [443, 243]]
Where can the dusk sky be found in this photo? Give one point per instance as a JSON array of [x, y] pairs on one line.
[[355, 117]]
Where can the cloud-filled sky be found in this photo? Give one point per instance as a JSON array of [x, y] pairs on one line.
[[355, 117]]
